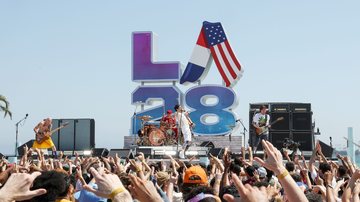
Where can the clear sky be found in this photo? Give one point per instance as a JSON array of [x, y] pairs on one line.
[[72, 59]]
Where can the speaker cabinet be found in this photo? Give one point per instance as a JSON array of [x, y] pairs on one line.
[[78, 135], [300, 107], [302, 121], [305, 139], [277, 138], [280, 125]]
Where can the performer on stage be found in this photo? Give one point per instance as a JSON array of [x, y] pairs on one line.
[[184, 123], [170, 123], [41, 142], [261, 119]]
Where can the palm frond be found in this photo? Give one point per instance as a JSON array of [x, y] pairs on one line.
[[5, 108]]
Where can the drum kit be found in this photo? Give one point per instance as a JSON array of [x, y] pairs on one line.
[[156, 133]]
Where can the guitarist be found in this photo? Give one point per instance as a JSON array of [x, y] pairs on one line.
[[40, 129], [259, 120]]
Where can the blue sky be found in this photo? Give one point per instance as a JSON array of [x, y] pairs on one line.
[[73, 58]]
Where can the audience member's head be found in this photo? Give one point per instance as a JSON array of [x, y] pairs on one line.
[[250, 171], [194, 176], [290, 166], [201, 194], [56, 184]]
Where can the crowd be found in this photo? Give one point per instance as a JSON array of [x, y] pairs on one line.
[[244, 178]]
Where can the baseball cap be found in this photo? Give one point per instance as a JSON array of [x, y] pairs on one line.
[[195, 175], [169, 111], [262, 172]]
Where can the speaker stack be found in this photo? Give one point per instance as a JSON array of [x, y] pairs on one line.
[[296, 124], [78, 135]]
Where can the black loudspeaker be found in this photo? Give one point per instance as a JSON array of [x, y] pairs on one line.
[[300, 107], [100, 152], [277, 138], [217, 152], [20, 149], [122, 153], [302, 121], [280, 125], [208, 144], [146, 151], [280, 107], [326, 149], [79, 134], [305, 139]]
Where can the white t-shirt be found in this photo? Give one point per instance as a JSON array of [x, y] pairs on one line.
[[181, 120], [261, 119]]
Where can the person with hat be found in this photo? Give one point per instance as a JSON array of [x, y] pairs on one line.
[[170, 123], [193, 177]]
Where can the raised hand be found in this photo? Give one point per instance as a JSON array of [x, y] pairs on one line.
[[143, 190], [107, 183], [274, 161], [247, 192], [17, 187], [328, 176]]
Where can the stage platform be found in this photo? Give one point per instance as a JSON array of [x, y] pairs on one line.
[[234, 143]]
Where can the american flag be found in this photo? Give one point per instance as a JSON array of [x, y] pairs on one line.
[[225, 59]]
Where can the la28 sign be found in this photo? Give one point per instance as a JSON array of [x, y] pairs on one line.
[[146, 69]]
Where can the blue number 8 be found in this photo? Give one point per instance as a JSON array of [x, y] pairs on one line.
[[196, 99]]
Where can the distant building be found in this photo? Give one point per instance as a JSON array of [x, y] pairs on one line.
[[350, 145]]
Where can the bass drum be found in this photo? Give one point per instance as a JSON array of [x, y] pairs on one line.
[[156, 137]]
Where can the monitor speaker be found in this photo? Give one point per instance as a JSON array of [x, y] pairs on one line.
[[20, 149], [146, 151], [326, 149], [100, 152], [208, 144], [122, 153], [217, 152]]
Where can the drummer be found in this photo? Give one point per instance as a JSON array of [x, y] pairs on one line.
[[169, 120]]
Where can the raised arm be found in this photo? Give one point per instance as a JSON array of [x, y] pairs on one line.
[[274, 162]]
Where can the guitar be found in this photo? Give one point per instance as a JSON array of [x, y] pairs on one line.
[[262, 129], [42, 136]]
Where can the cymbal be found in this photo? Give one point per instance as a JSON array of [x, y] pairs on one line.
[[145, 117]]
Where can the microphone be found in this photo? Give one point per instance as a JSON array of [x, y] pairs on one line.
[[26, 115], [237, 120]]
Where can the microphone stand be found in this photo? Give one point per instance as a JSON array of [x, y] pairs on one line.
[[134, 127], [244, 130], [17, 133]]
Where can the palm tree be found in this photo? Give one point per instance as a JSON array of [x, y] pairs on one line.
[[5, 108]]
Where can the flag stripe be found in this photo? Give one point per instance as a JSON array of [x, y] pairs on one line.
[[221, 71], [232, 55], [201, 41], [228, 66], [230, 59], [222, 67], [200, 56]]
